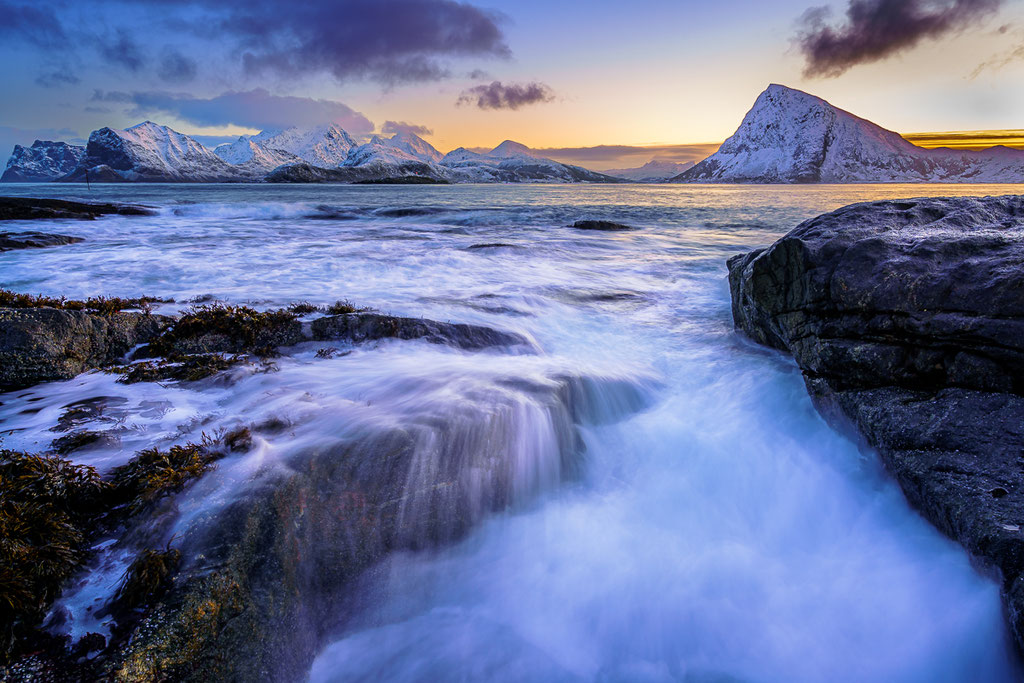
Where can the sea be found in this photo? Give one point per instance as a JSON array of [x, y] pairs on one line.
[[717, 529]]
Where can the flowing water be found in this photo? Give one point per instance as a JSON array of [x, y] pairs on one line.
[[713, 528]]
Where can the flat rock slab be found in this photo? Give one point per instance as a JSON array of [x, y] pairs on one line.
[[29, 208], [907, 320], [608, 226], [33, 240]]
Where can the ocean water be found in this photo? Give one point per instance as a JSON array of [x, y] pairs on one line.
[[717, 528]]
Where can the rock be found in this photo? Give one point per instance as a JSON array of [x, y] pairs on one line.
[[907, 320], [361, 327], [33, 240], [266, 579], [600, 225], [26, 208], [46, 344]]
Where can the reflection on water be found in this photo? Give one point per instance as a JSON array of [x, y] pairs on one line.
[[715, 528]]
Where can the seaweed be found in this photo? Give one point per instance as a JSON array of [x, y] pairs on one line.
[[153, 473], [188, 368], [74, 441], [245, 328], [343, 307], [46, 514], [147, 579], [97, 304]]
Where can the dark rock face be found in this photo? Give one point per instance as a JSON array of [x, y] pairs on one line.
[[907, 319], [46, 344], [33, 240], [43, 161], [361, 327], [28, 208]]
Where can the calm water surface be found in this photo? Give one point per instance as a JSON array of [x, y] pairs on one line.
[[723, 533]]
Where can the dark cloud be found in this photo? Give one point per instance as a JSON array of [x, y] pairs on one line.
[[392, 127], [176, 67], [478, 75], [31, 22], [251, 109], [99, 110], [497, 95], [389, 41], [876, 29], [123, 51], [57, 78]]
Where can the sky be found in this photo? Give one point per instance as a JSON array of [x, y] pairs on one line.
[[603, 84]]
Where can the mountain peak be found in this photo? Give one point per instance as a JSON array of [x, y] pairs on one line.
[[511, 148], [790, 136]]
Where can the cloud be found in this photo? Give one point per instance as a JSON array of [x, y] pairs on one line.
[[123, 52], [999, 61], [250, 109], [392, 127], [111, 96], [57, 78], [176, 67], [32, 23], [388, 41], [877, 29], [497, 95]]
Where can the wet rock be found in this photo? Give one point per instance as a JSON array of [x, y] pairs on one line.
[[33, 240], [610, 226], [907, 320], [46, 344], [361, 327], [25, 208], [264, 580]]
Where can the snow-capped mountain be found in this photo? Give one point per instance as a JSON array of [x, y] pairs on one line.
[[326, 146], [247, 152], [790, 136], [653, 171], [149, 152], [513, 162], [416, 146], [44, 160], [400, 156]]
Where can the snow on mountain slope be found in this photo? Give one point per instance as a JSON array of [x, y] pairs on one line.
[[790, 136], [149, 152], [325, 146], [416, 146], [44, 160], [382, 158], [513, 162], [247, 152], [653, 171]]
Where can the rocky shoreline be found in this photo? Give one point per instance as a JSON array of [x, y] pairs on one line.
[[907, 321], [249, 591]]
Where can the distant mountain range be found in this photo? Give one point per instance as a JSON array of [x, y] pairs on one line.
[[790, 136], [653, 171], [149, 152]]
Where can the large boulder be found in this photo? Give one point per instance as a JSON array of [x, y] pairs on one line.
[[45, 344], [907, 320]]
